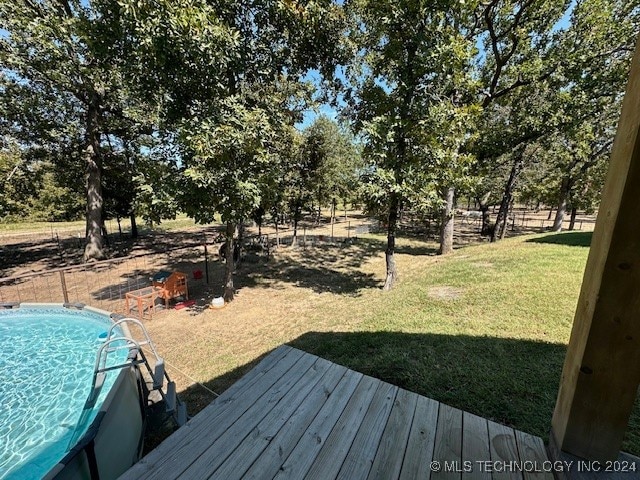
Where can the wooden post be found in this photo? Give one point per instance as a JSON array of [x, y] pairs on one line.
[[63, 284], [601, 372], [206, 263]]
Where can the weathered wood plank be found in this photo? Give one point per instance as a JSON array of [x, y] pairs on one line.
[[199, 464], [475, 446], [531, 449], [419, 454], [328, 462], [448, 447], [305, 452], [236, 464], [504, 452], [281, 446], [358, 461], [388, 461], [231, 404]]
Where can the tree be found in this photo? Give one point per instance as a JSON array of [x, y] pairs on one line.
[[596, 51], [16, 184], [334, 155], [574, 92], [230, 73], [411, 59], [63, 59]]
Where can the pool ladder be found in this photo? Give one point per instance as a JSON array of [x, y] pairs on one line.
[[176, 407]]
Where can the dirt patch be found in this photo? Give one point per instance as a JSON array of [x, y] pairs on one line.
[[445, 292]]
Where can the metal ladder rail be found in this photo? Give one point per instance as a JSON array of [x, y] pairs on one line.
[[100, 368], [158, 374]]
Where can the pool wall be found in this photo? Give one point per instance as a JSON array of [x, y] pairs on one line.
[[114, 440]]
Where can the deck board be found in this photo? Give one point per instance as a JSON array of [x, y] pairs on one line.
[[297, 416], [259, 438], [531, 449], [230, 437], [387, 463], [475, 446], [422, 439], [328, 462], [504, 451], [303, 455], [448, 449], [358, 462], [268, 463]]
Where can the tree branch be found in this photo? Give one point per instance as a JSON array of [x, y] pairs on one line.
[[66, 8]]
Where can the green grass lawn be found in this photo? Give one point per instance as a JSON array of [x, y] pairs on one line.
[[484, 330]]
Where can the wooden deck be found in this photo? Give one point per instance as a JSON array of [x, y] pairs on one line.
[[298, 416]]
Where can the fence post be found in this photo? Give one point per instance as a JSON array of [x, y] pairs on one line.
[[63, 283], [206, 263], [348, 230]]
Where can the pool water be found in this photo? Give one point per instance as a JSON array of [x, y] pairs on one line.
[[47, 358]]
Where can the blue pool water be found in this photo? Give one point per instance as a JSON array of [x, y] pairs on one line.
[[47, 358]]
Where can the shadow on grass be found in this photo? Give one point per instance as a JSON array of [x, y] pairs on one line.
[[323, 267], [514, 382], [572, 239]]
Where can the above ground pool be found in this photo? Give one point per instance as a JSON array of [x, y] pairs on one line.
[[47, 360]]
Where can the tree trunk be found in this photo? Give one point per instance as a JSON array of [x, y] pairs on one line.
[[237, 252], [105, 234], [485, 229], [565, 188], [334, 205], [572, 222], [134, 225], [275, 221], [446, 227], [119, 227], [296, 219], [392, 272], [229, 291], [550, 213], [500, 226], [94, 247]]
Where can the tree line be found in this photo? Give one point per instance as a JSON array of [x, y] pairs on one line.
[[118, 108]]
